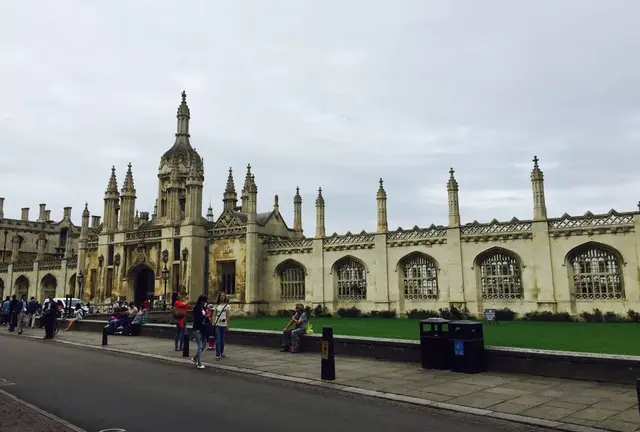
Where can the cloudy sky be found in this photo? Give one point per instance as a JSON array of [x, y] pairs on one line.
[[334, 94]]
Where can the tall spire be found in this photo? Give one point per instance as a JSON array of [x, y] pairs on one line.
[[112, 187], [276, 203], [230, 197], [381, 199], [210, 213], [320, 228], [297, 213], [128, 186], [537, 185], [183, 117], [454, 205]]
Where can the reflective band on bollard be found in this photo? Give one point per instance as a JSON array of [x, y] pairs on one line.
[[327, 356]]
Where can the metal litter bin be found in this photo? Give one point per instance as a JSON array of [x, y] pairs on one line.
[[467, 344], [434, 344]]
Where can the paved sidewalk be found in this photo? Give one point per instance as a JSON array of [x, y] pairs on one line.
[[607, 406], [15, 416]]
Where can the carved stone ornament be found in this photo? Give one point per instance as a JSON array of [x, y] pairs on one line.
[[185, 254], [142, 257], [116, 259], [100, 260], [227, 250], [165, 256]]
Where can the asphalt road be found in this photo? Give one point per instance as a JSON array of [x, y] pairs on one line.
[[97, 391]]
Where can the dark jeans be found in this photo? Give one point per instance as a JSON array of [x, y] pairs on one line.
[[49, 325], [13, 321], [179, 339], [292, 337], [219, 332]]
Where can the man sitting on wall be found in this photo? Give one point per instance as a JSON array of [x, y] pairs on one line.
[[291, 336]]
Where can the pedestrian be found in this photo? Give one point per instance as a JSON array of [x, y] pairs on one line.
[[200, 328], [179, 312], [221, 323], [22, 314], [32, 310], [4, 312], [49, 317], [14, 308]]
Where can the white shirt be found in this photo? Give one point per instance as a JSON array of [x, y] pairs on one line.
[[221, 315]]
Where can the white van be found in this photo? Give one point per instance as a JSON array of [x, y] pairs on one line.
[[74, 302]]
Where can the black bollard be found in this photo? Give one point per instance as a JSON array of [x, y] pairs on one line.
[[104, 336], [638, 391], [327, 355], [185, 344]]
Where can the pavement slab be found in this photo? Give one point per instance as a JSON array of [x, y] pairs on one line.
[[600, 405]]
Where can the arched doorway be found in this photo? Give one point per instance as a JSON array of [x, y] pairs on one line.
[[143, 285], [22, 287], [48, 287], [2, 294]]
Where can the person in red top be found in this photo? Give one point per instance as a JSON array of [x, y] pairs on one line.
[[146, 304], [180, 309]]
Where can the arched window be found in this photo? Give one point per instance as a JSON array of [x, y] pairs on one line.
[[596, 273], [22, 286], [292, 275], [500, 276], [419, 277], [352, 279], [2, 294], [48, 286]]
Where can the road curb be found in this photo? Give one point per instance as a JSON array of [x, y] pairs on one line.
[[41, 411], [533, 421]]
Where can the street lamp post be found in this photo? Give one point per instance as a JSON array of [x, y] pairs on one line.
[[80, 280], [165, 277]]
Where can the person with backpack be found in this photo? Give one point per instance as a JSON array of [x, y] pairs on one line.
[[179, 312]]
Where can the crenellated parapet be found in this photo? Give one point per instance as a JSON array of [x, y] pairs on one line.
[[417, 236], [496, 231], [349, 241], [290, 246], [590, 224]]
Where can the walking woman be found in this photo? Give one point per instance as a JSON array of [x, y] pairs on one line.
[[200, 325], [221, 323], [180, 308]]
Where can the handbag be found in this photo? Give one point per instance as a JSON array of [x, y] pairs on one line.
[[178, 312]]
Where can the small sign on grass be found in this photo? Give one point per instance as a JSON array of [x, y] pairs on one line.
[[490, 316]]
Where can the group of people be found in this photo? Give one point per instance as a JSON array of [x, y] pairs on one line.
[[210, 324], [127, 318], [19, 313]]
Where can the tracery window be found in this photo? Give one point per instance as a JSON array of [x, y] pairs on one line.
[[420, 280], [292, 281], [500, 276], [49, 285], [596, 274], [22, 287], [352, 280]]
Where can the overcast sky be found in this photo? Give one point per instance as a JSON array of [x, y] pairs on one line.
[[334, 94]]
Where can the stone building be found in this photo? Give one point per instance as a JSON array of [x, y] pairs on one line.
[[566, 263]]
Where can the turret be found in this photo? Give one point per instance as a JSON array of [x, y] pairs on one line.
[[454, 206], [320, 228], [111, 204], [128, 202], [537, 185], [230, 197], [297, 214], [193, 203], [381, 200]]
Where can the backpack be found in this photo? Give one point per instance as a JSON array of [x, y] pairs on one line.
[[178, 312]]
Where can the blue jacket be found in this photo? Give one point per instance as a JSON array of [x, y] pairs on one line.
[[32, 307]]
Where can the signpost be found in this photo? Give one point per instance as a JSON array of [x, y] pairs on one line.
[[490, 316]]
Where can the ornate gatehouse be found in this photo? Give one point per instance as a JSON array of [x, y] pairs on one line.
[[566, 263]]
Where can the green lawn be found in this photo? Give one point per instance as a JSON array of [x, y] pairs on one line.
[[610, 338]]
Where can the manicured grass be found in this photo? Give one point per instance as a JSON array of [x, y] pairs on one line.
[[609, 338]]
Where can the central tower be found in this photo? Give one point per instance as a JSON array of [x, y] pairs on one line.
[[180, 167]]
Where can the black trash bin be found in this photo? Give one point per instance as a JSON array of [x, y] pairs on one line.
[[467, 345], [434, 344]]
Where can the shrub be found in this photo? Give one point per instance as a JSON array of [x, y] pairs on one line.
[[320, 312], [547, 316], [352, 312], [422, 314], [505, 314], [596, 317], [382, 314], [633, 316], [451, 313], [284, 313]]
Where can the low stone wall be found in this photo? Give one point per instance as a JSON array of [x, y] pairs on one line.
[[558, 364]]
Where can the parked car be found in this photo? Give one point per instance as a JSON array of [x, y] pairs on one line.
[[74, 302]]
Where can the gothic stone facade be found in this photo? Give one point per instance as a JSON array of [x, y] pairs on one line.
[[567, 263]]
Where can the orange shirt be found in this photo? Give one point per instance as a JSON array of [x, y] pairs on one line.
[[182, 321]]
